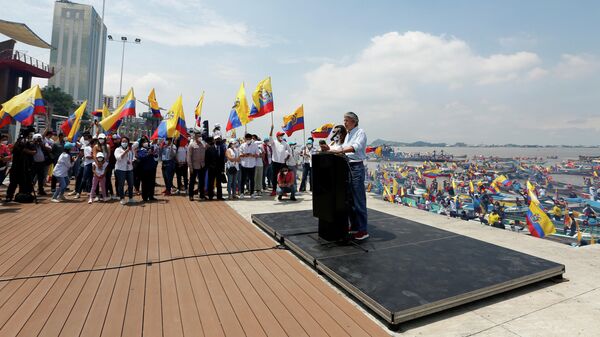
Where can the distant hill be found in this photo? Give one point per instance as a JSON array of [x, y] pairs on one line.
[[378, 142]]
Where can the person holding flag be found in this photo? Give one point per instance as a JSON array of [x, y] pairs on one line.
[[281, 152]]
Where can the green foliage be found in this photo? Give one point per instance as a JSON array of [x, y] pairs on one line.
[[59, 102]]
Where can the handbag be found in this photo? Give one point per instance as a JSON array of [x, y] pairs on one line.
[[231, 170]]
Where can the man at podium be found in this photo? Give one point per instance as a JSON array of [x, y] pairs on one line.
[[354, 147]]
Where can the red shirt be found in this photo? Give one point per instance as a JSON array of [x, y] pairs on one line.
[[285, 180]]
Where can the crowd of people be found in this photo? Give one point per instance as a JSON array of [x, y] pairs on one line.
[[197, 166]]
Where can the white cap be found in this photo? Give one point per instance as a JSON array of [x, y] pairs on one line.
[[37, 135], [101, 136], [100, 154]]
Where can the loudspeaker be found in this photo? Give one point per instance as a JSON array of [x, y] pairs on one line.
[[205, 130]]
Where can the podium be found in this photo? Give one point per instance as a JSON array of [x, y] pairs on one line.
[[331, 198]]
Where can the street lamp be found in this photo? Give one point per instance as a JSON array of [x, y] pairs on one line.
[[124, 40]]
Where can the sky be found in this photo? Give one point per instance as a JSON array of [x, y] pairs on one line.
[[480, 72]]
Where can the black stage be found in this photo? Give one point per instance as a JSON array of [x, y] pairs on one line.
[[407, 269]]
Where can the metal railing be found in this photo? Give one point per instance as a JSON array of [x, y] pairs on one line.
[[10, 54]]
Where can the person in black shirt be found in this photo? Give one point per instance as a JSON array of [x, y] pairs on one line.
[[215, 164], [20, 171]]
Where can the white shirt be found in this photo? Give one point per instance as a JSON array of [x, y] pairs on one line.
[[248, 162], [280, 150], [357, 138], [259, 161], [87, 155], [234, 154], [181, 154], [167, 152], [124, 161], [99, 170], [63, 165]]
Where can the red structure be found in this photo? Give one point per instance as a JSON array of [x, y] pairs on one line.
[[14, 64]]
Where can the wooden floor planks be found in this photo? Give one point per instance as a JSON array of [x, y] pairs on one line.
[[168, 268]]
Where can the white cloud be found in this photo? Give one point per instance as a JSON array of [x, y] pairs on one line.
[[519, 41], [574, 66], [416, 85], [181, 23]]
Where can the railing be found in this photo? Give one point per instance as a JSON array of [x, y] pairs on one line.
[[16, 55]]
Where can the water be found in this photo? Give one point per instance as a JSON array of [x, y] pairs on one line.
[[563, 153]]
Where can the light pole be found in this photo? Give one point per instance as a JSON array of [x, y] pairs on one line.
[[123, 40]]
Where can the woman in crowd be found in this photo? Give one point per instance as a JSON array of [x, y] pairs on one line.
[[232, 168], [61, 172], [181, 169], [124, 170], [147, 161]]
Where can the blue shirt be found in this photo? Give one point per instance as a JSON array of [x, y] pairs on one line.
[[357, 138]]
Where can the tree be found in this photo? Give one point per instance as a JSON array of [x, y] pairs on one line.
[[59, 102]]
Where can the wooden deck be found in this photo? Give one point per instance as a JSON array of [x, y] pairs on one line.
[[170, 268]]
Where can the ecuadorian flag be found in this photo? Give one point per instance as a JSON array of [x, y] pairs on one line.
[[126, 108], [294, 122], [154, 105], [238, 115], [198, 111], [262, 99], [175, 126], [24, 106], [538, 223], [70, 127], [323, 131]]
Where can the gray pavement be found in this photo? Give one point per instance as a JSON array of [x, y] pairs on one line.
[[568, 308]]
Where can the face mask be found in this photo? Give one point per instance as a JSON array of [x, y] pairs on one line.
[[4, 142], [100, 159], [309, 146], [101, 141], [145, 145], [86, 142], [124, 145]]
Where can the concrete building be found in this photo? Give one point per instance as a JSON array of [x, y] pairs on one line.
[[77, 35], [110, 102]]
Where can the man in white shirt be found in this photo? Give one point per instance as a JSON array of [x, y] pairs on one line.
[[248, 154], [307, 153], [281, 152], [354, 147]]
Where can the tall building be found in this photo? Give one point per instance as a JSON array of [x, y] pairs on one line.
[[76, 37], [110, 102], [118, 100]]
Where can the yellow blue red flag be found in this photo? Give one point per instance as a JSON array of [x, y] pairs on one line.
[[322, 131], [23, 107], [238, 115], [175, 126], [262, 99], [538, 222], [70, 127], [126, 108], [154, 105], [198, 111], [294, 122]]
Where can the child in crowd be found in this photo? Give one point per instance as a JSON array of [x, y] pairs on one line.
[[99, 169]]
